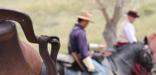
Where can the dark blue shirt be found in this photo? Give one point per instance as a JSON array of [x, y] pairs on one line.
[[78, 41]]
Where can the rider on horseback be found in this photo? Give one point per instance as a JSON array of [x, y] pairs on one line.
[[127, 34], [78, 45]]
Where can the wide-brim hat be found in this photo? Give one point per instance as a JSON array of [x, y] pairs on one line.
[[85, 15], [133, 14]]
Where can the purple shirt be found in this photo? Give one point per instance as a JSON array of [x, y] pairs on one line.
[[78, 41]]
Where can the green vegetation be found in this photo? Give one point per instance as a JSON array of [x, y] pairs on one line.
[[57, 17]]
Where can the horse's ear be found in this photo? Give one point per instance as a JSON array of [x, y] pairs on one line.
[[146, 40]]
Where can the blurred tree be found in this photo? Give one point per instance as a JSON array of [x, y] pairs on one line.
[[110, 31]]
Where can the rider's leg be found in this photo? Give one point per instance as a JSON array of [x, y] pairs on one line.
[[71, 72], [99, 67], [107, 66]]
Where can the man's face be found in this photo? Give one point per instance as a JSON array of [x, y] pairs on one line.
[[85, 23], [131, 19]]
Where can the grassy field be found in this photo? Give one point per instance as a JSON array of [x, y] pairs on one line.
[[57, 17]]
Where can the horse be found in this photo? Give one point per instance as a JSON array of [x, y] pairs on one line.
[[151, 42], [20, 58], [122, 62], [130, 55]]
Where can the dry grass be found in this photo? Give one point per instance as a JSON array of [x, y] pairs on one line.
[[57, 17]]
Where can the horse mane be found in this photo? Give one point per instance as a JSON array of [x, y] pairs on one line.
[[135, 47]]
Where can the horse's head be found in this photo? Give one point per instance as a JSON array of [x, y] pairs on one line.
[[151, 42], [130, 55], [144, 58]]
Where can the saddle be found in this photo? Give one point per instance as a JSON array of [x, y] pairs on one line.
[[67, 59], [43, 70]]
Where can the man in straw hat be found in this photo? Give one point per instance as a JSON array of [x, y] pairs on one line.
[[78, 46]]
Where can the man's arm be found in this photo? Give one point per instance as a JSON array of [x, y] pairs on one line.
[[82, 44], [83, 47], [77, 59]]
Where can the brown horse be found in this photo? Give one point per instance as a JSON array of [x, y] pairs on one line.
[[151, 41], [20, 58], [152, 44]]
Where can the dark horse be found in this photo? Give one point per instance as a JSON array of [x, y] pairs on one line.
[[20, 58], [127, 56], [123, 61]]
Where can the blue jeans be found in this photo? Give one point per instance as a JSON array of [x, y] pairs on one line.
[[99, 68]]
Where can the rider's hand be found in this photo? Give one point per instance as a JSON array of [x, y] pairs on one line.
[[91, 53], [88, 63], [107, 53]]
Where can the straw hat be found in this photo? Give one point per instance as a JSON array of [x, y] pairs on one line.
[[85, 15]]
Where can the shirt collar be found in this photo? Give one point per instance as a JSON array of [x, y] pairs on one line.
[[78, 25]]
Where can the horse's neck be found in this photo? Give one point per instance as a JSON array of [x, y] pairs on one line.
[[11, 56], [10, 52], [126, 59], [121, 60]]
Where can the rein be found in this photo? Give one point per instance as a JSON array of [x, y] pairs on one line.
[[129, 65], [112, 63]]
